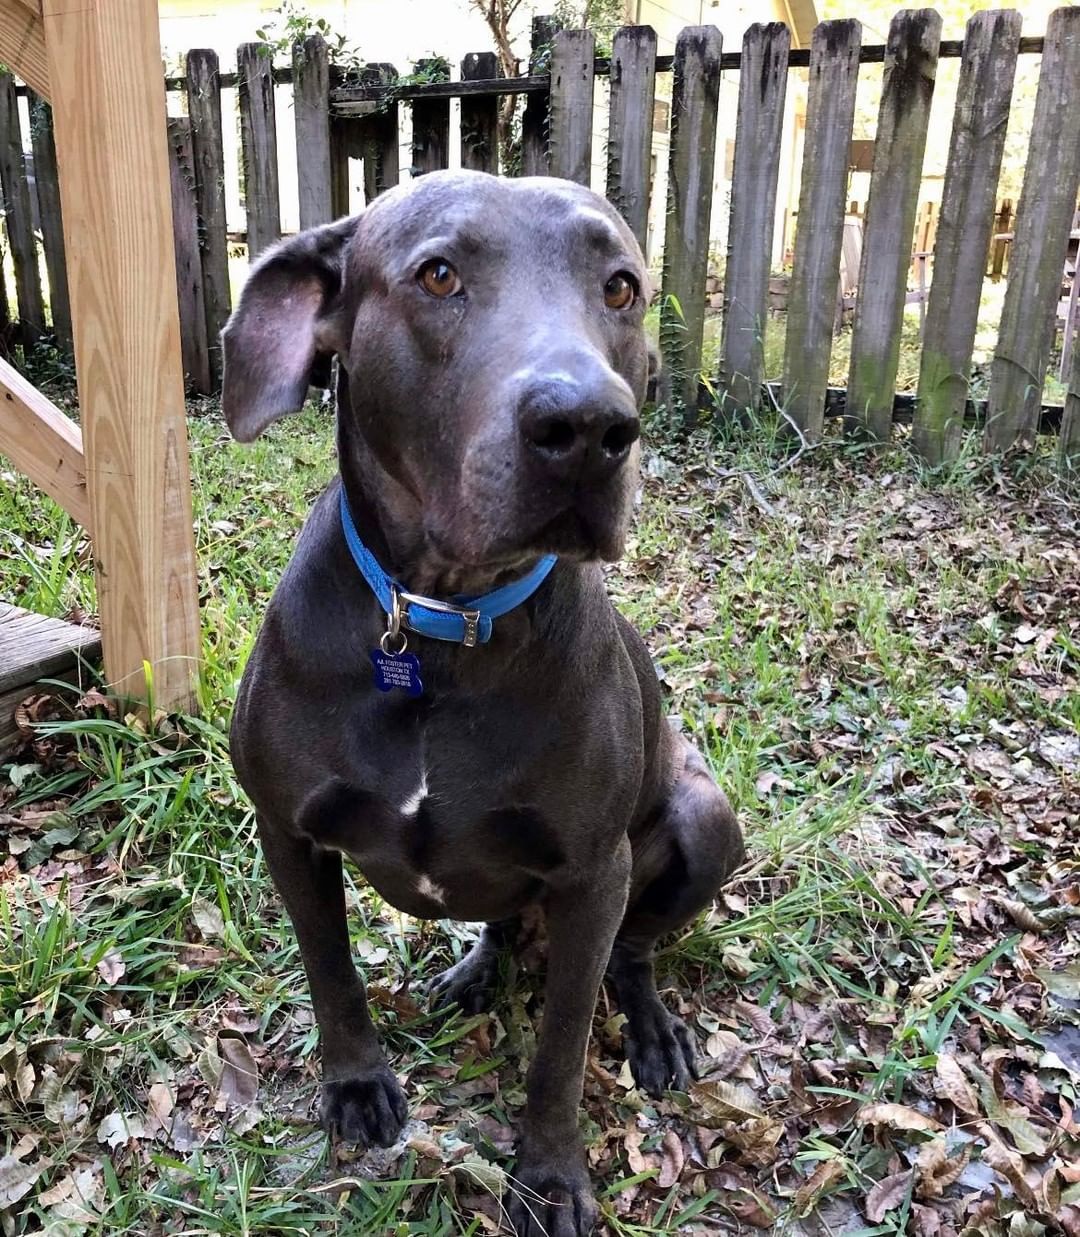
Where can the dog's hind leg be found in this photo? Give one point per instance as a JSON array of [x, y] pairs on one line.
[[682, 855], [471, 983]]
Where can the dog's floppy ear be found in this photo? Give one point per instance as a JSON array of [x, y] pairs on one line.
[[272, 343]]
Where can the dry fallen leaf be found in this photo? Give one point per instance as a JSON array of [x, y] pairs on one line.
[[720, 1101], [887, 1195], [671, 1160], [816, 1184], [239, 1082], [1010, 1166], [111, 968], [935, 1170], [897, 1116], [952, 1084]]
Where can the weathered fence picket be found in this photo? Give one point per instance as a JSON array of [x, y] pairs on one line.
[[534, 118], [311, 110], [378, 131], [480, 116], [630, 124], [18, 217], [431, 124], [763, 76], [189, 279], [203, 80], [258, 138], [830, 114], [1069, 445], [965, 226], [1043, 219], [694, 101], [47, 185], [906, 92], [572, 77]]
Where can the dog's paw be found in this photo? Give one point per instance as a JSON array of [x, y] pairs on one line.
[[661, 1050], [470, 983], [550, 1200], [368, 1108]]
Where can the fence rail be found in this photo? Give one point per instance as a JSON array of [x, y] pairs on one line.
[[341, 117]]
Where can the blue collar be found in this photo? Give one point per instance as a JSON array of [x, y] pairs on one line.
[[468, 620]]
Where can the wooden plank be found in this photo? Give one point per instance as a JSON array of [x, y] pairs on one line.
[[1043, 219], [43, 444], [480, 116], [203, 80], [756, 171], [431, 125], [189, 282], [22, 44], [830, 115], [964, 230], [311, 105], [630, 124], [694, 100], [105, 65], [378, 138], [33, 647], [534, 119], [1002, 223], [18, 217], [340, 143], [1072, 313], [47, 185], [258, 137], [570, 141], [1069, 435], [906, 92]]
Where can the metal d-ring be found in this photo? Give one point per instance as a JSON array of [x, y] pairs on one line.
[[393, 627]]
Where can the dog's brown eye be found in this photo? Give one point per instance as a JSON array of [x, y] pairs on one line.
[[438, 278], [619, 292]]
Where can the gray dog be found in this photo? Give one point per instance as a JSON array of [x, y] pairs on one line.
[[491, 367]]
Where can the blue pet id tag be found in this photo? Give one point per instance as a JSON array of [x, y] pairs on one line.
[[400, 670]]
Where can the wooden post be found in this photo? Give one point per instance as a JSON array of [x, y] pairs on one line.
[[633, 89], [1069, 441], [762, 87], [204, 111], [1071, 314], [906, 92], [431, 125], [189, 282], [377, 137], [1000, 247], [311, 105], [991, 44], [104, 60], [812, 301], [570, 146], [258, 137], [480, 116], [47, 185], [1043, 220], [18, 218], [534, 119], [694, 100]]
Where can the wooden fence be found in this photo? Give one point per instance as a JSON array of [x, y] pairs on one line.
[[338, 120]]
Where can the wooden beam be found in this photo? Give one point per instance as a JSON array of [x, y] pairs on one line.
[[43, 443], [109, 119], [22, 43]]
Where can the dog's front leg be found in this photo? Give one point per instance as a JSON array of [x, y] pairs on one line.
[[362, 1101], [552, 1195]]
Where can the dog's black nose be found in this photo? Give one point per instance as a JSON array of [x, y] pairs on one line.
[[578, 432]]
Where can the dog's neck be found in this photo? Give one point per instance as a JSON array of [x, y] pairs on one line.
[[390, 520]]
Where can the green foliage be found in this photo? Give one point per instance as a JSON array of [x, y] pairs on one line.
[[293, 23]]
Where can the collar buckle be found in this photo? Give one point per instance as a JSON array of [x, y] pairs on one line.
[[470, 618]]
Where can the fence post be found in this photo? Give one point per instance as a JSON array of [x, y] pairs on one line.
[[762, 87], [480, 116], [431, 124], [570, 144], [311, 108], [204, 111], [694, 99], [258, 137], [378, 135], [966, 221], [997, 252], [906, 92], [633, 90], [1069, 440], [534, 119], [18, 219], [189, 283], [52, 220], [1036, 261], [830, 114]]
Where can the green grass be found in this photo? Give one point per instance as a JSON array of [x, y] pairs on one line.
[[828, 649]]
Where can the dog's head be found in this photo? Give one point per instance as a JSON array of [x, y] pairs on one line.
[[493, 361]]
